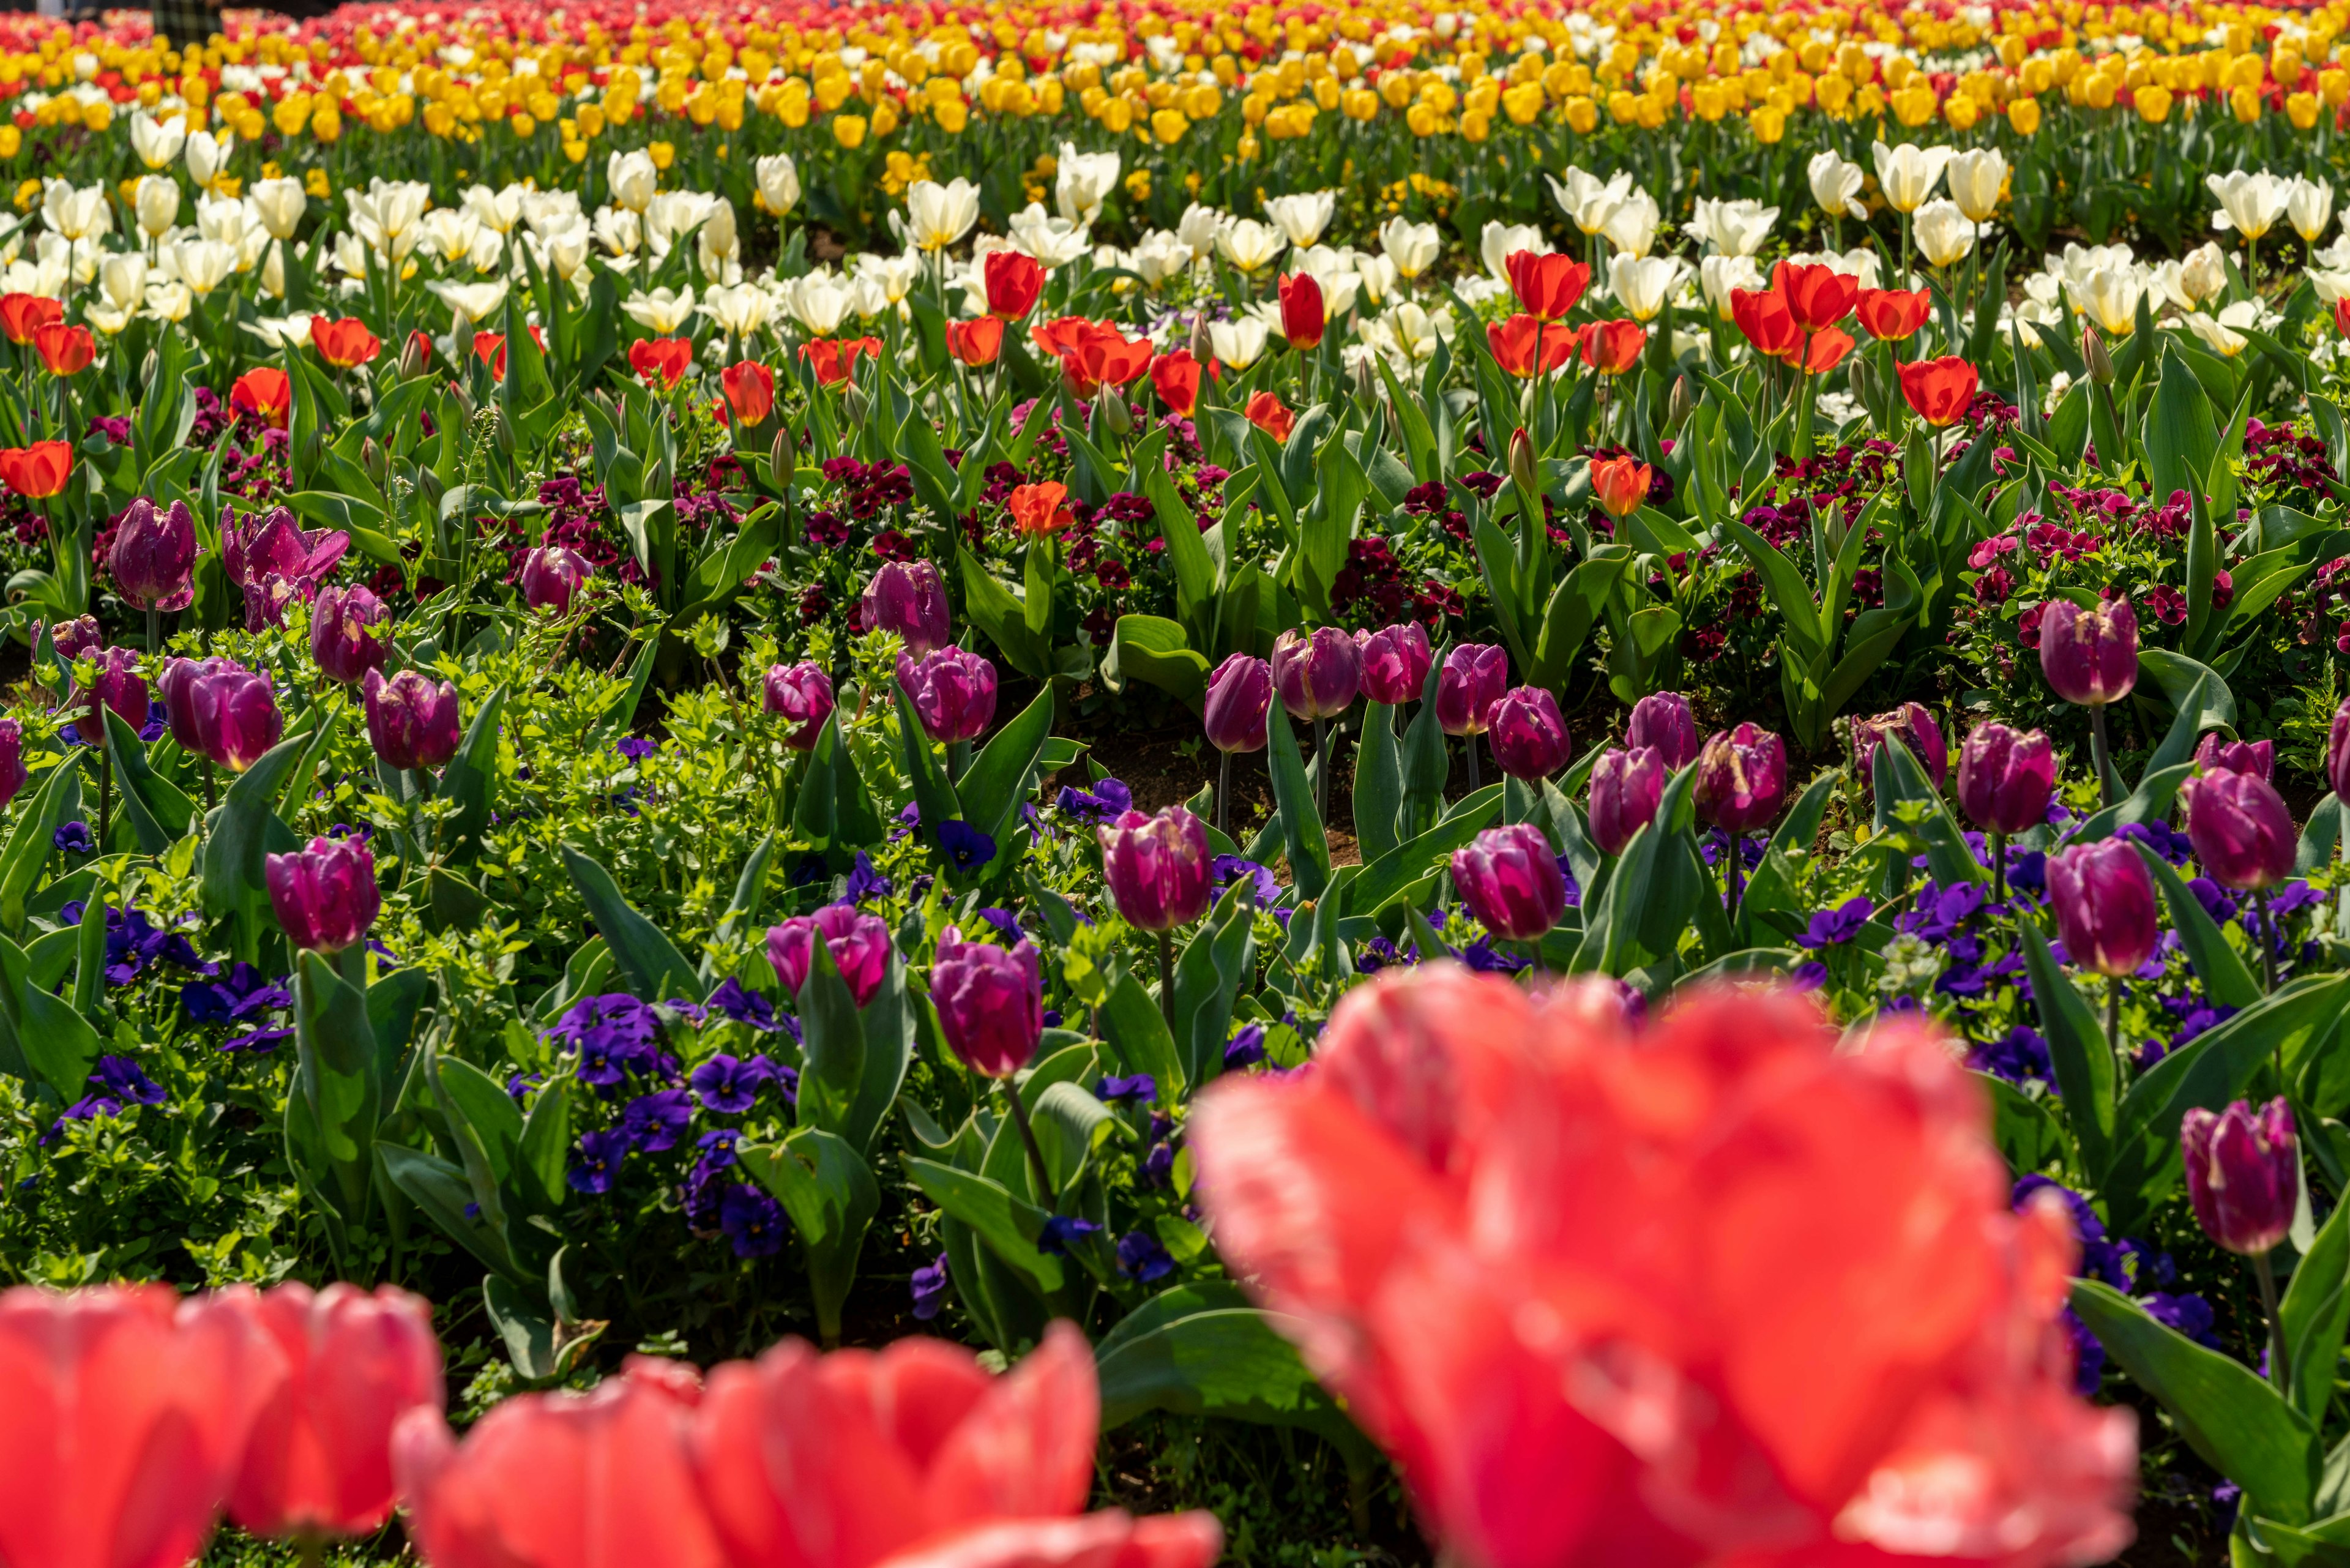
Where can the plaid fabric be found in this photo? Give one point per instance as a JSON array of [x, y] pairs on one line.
[[185, 22]]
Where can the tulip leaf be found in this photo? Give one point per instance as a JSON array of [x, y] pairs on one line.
[[655, 971], [1009, 1226], [441, 1189], [2243, 1428], [1002, 776], [995, 610], [832, 1046], [2027, 1134], [470, 778], [932, 791], [1234, 1362], [828, 1190], [2077, 1051], [1138, 1032], [1159, 652], [1788, 591], [1379, 781], [545, 1150], [1303, 839], [833, 811], [1771, 890], [2315, 1313], [50, 806], [335, 1080], [238, 834], [887, 1023], [1404, 865], [1652, 895], [1574, 609], [56, 1042], [620, 711], [159, 811], [1425, 762], [1187, 552], [1901, 779], [488, 1109], [1219, 959], [2319, 836], [2227, 979]]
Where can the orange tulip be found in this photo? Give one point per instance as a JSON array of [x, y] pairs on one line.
[[1266, 412], [36, 472], [1038, 509], [1614, 1295], [266, 394], [22, 314], [1525, 346], [750, 389], [977, 342], [1302, 320], [1825, 352], [1891, 315], [344, 344], [1939, 389], [490, 348], [1177, 378], [663, 359], [65, 349], [1621, 483], [834, 359], [1060, 336], [1548, 286], [1612, 347], [1820, 296], [1764, 316], [1103, 356]]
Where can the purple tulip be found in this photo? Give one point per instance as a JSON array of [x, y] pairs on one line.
[[324, 897], [801, 693], [350, 633], [2105, 905], [991, 1002], [2006, 779], [412, 723], [1625, 786], [2243, 1173], [12, 760], [1316, 676], [2240, 830], [221, 712], [1527, 734], [952, 690], [552, 577], [118, 686], [1741, 779], [1510, 881], [1395, 662], [907, 598], [1662, 719], [274, 562], [2218, 756], [2090, 656], [1240, 697], [76, 639], [1918, 732], [2337, 752], [154, 555], [858, 943], [1156, 868], [1475, 676]]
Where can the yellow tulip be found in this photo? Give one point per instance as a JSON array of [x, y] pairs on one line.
[[1582, 114], [848, 130], [2300, 107], [2245, 103], [952, 115], [1768, 123], [2023, 116], [2152, 103], [1169, 125]]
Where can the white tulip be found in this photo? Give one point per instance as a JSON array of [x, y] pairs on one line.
[[280, 204], [1836, 185], [720, 239], [106, 319], [567, 250], [1303, 217], [486, 253], [1500, 242], [2109, 296], [273, 267], [779, 182], [550, 213], [2222, 333], [1978, 179], [1944, 234], [74, 213], [1908, 173], [1413, 247], [1081, 181], [618, 230], [818, 302], [1720, 276], [204, 264], [738, 312], [2202, 274], [1240, 342], [207, 156], [895, 275], [2308, 206], [169, 301], [157, 142], [1642, 285], [1053, 241], [156, 199], [1161, 257], [124, 276], [279, 331], [1631, 227], [1379, 277], [495, 210], [1732, 228], [633, 179], [660, 311], [938, 215], [448, 232], [470, 302], [2249, 203], [1589, 200], [1200, 226], [1249, 244], [351, 256], [1416, 332]]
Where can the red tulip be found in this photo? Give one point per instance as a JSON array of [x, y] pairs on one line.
[[663, 359], [1893, 314], [36, 472], [1103, 356], [65, 351], [23, 314], [1059, 336], [346, 343], [1939, 389], [266, 394], [1177, 378], [490, 348], [1764, 316], [976, 343], [1525, 347], [834, 359], [318, 1462], [750, 389], [1548, 286], [1825, 352], [1715, 1292], [1014, 281], [1612, 347], [1301, 311], [1266, 412], [1818, 296]]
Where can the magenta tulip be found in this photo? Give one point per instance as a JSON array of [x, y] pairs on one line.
[[952, 690], [117, 685], [227, 715], [2006, 779], [1510, 881], [1317, 675], [1395, 662], [991, 1002], [858, 943], [2243, 1173], [412, 722], [1240, 699], [552, 577], [909, 598], [1626, 787], [1527, 734], [2218, 756], [1662, 721], [12, 760], [1475, 675], [1158, 867], [350, 633], [2090, 656], [2240, 830], [153, 559], [801, 694], [1918, 732], [324, 897], [1741, 779], [2105, 905]]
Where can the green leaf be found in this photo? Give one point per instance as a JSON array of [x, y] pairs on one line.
[[2227, 979], [1415, 858], [832, 1048], [159, 811], [995, 610], [1008, 1225], [1653, 892], [2315, 1313], [1303, 842], [650, 962], [619, 709], [237, 835], [1216, 962], [1230, 1362], [1379, 781], [1901, 779], [932, 791], [1003, 775], [469, 779], [49, 808], [1138, 1032], [443, 1192], [2028, 1136], [1157, 652], [830, 1194], [335, 1077], [2083, 1060]]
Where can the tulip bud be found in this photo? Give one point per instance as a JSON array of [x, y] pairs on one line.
[[324, 897], [782, 461], [1741, 779], [344, 638], [852, 403], [1523, 469], [1626, 787], [1110, 412], [117, 685], [2218, 756], [952, 690], [225, 715], [2006, 779], [551, 577], [76, 639], [801, 693], [147, 368], [371, 458], [1662, 719], [1319, 675], [991, 1002], [1864, 384], [2240, 830], [1475, 675], [2089, 656], [2105, 905], [1203, 347], [153, 557], [1918, 731], [2243, 1173], [909, 598], [1679, 407], [2093, 351], [412, 722], [12, 760], [1510, 881], [858, 944], [1156, 868], [1240, 697], [412, 357], [1395, 660], [1527, 734], [502, 434]]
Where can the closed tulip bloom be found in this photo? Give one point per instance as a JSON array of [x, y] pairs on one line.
[[318, 1462], [154, 555], [1240, 699], [412, 722], [2006, 778], [1662, 721], [232, 717], [1156, 868], [2218, 756], [802, 694], [991, 1002], [1475, 675], [1625, 786], [76, 639], [116, 686], [12, 760], [1741, 779], [551, 575], [2337, 752], [1621, 483], [324, 897], [1527, 734], [1916, 731], [2105, 905], [175, 687], [1510, 881], [858, 943], [952, 690], [907, 598], [2240, 826], [1395, 660], [2243, 1173], [1939, 389], [349, 633], [1302, 317], [2090, 656], [1317, 675]]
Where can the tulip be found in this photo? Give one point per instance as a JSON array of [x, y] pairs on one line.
[[154, 555], [1475, 675], [221, 712], [1741, 779], [65, 351], [1317, 675], [1301, 316], [551, 577], [2218, 756], [909, 598], [1767, 322], [1939, 389], [1918, 731], [1176, 377], [1612, 347], [750, 390], [1527, 734], [1240, 697], [661, 361], [802, 694], [344, 638], [2090, 658], [2005, 782], [2243, 1173], [1621, 483], [344, 344], [116, 686], [266, 394], [1013, 282], [1662, 719], [976, 343], [2105, 905], [1908, 173], [2338, 753], [412, 722], [36, 472], [991, 1002], [1893, 314], [1817, 297], [1039, 510], [1266, 412], [1395, 660], [318, 1461], [1525, 346], [12, 760], [1943, 234], [2244, 835], [76, 639], [1156, 868], [1626, 788], [1548, 286], [324, 897], [22, 316], [1512, 882], [858, 944], [952, 690]]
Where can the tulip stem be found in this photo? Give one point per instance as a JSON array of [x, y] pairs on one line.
[[310, 1550], [1468, 744], [1035, 1155], [154, 630], [212, 788], [2268, 939], [1737, 875], [2279, 1358], [1320, 771], [105, 780], [1998, 867], [2114, 1014], [1167, 978], [1223, 795], [2101, 755]]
